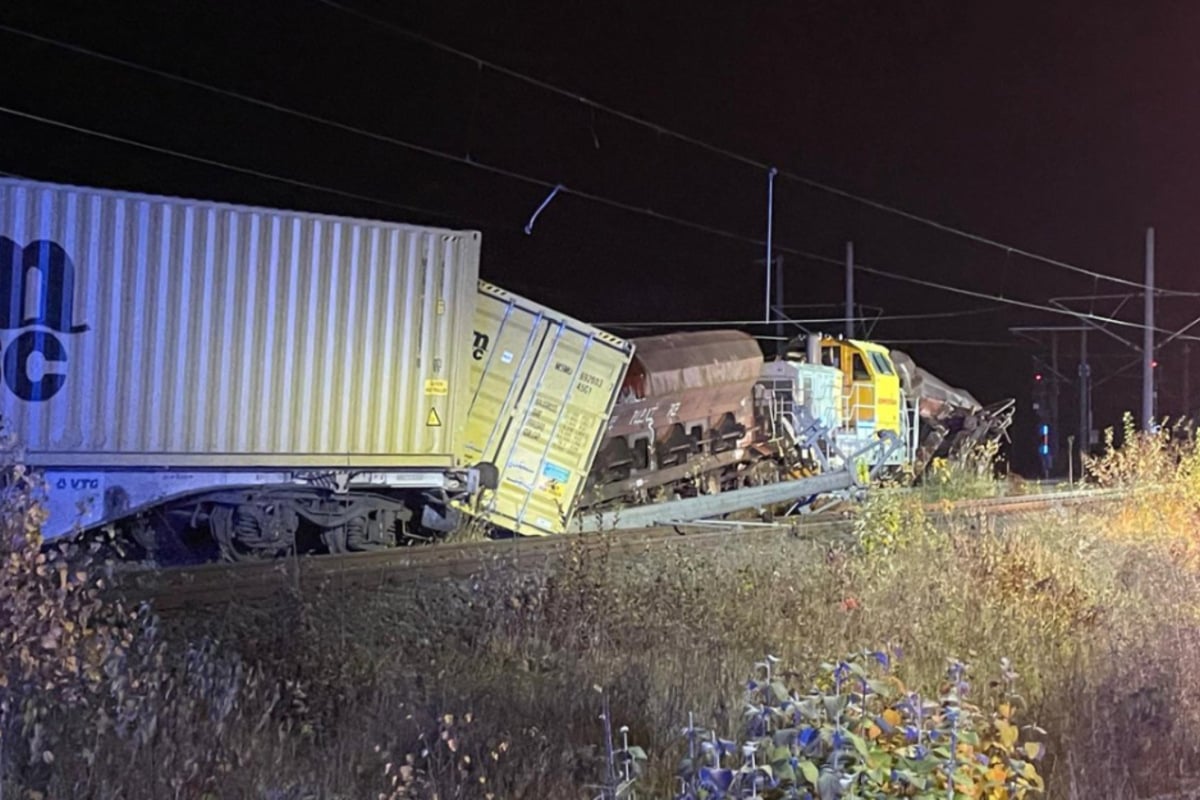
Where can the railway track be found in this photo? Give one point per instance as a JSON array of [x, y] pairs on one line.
[[179, 588]]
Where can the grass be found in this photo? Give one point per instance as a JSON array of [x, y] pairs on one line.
[[494, 686]]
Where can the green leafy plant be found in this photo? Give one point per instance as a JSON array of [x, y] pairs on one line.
[[59, 642], [966, 475], [890, 519], [859, 732]]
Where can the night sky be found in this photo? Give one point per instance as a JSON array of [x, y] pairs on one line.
[[1063, 128]]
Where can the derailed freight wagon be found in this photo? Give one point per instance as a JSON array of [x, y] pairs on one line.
[[542, 389], [278, 380]]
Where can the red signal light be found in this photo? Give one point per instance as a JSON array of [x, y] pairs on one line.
[[1154, 364], [1037, 376]]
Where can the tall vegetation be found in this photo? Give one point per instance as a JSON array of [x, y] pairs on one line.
[[518, 686]]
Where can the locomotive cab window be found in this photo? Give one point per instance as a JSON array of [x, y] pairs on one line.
[[831, 356], [882, 365], [859, 369]]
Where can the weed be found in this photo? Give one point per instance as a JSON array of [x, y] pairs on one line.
[[968, 475], [859, 732], [290, 697]]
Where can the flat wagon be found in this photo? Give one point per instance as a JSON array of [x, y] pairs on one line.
[[282, 378]]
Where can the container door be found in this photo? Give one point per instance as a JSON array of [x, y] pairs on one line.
[[543, 386]]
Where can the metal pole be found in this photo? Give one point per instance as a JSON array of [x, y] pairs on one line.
[[770, 226], [1085, 398], [849, 290], [780, 333], [1148, 337], [1053, 397], [1187, 379], [1070, 461]]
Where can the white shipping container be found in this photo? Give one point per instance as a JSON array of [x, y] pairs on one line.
[[141, 331]]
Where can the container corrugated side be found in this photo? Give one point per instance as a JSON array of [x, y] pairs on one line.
[[190, 333], [542, 386]]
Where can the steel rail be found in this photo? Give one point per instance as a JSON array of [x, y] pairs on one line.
[[181, 588]]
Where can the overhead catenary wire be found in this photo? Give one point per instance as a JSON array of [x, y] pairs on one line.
[[1087, 315], [793, 320], [730, 154], [606, 201], [961, 342], [212, 162], [376, 136], [504, 172], [433, 152]]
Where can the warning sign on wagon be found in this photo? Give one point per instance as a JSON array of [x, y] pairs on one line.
[[433, 420], [436, 387]]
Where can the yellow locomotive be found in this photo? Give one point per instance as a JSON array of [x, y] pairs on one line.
[[870, 385]]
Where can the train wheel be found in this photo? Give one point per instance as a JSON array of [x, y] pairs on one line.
[[335, 538], [356, 534], [375, 530], [253, 530]]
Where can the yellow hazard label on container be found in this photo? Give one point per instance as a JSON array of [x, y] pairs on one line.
[[433, 420], [437, 387]]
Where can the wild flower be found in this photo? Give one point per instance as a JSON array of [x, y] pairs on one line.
[[867, 737]]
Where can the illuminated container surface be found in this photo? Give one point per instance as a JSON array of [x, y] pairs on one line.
[[542, 386], [142, 331]]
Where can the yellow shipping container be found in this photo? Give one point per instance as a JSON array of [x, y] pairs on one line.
[[542, 386]]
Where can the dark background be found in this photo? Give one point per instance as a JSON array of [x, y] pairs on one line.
[[1063, 128]]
